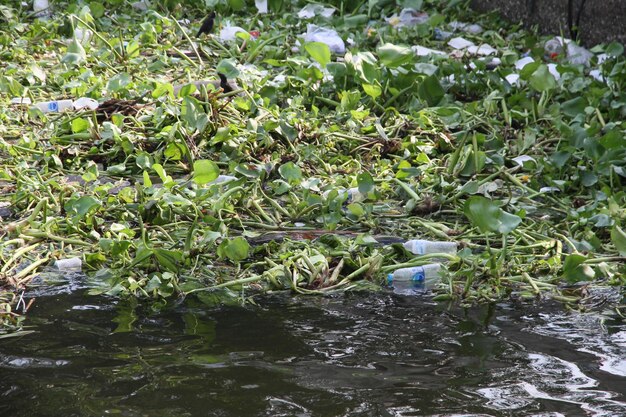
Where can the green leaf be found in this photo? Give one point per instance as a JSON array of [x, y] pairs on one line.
[[366, 182], [80, 125], [574, 107], [488, 216], [97, 9], [319, 51], [393, 55], [574, 270], [542, 80], [431, 91], [168, 259], [75, 53], [236, 249], [290, 172], [118, 82], [205, 171], [82, 206], [618, 237], [372, 90], [228, 67]]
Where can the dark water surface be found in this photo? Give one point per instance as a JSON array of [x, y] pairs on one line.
[[354, 355]]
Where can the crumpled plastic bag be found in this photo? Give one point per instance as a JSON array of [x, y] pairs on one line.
[[471, 28], [311, 10], [407, 18], [261, 6], [228, 33], [330, 37]]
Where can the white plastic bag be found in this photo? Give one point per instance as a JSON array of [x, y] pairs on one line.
[[330, 37]]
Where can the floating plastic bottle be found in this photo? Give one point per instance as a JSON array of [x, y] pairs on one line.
[[423, 247], [413, 280]]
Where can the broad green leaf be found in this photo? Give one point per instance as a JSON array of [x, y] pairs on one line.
[[394, 55], [574, 107], [574, 270], [82, 206], [542, 80], [80, 125], [430, 90], [290, 172], [366, 182], [118, 81], [205, 171], [75, 53], [488, 216], [618, 237], [371, 90], [228, 67], [168, 259], [319, 51], [236, 249], [97, 9]]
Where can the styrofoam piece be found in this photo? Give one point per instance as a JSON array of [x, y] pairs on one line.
[[554, 71], [21, 101], [69, 265], [423, 51], [484, 49], [512, 79], [521, 63], [460, 43], [330, 37]]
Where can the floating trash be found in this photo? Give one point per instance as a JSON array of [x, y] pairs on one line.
[[330, 37]]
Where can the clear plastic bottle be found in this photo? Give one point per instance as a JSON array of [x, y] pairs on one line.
[[423, 247], [414, 280]]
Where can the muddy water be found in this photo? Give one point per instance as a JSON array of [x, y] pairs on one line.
[[355, 355]]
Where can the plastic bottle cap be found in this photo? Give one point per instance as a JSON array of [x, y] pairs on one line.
[[389, 278]]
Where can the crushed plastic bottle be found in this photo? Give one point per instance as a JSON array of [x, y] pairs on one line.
[[423, 247], [69, 265], [414, 280]]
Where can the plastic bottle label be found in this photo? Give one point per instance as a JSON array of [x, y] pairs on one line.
[[53, 106], [419, 276]]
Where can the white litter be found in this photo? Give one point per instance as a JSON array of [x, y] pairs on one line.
[[484, 49], [229, 33], [41, 8], [330, 37], [21, 101], [521, 63], [311, 10], [555, 73], [261, 6], [460, 43], [69, 265], [512, 79], [85, 103], [140, 5], [519, 160], [549, 189], [408, 17], [574, 54], [423, 51], [596, 75], [473, 28]]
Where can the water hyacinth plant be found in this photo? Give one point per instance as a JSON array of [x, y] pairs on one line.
[[307, 175]]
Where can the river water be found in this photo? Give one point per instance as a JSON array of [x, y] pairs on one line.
[[352, 355]]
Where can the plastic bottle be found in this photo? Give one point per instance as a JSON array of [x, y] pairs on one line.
[[54, 106], [413, 280], [423, 247], [69, 264]]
